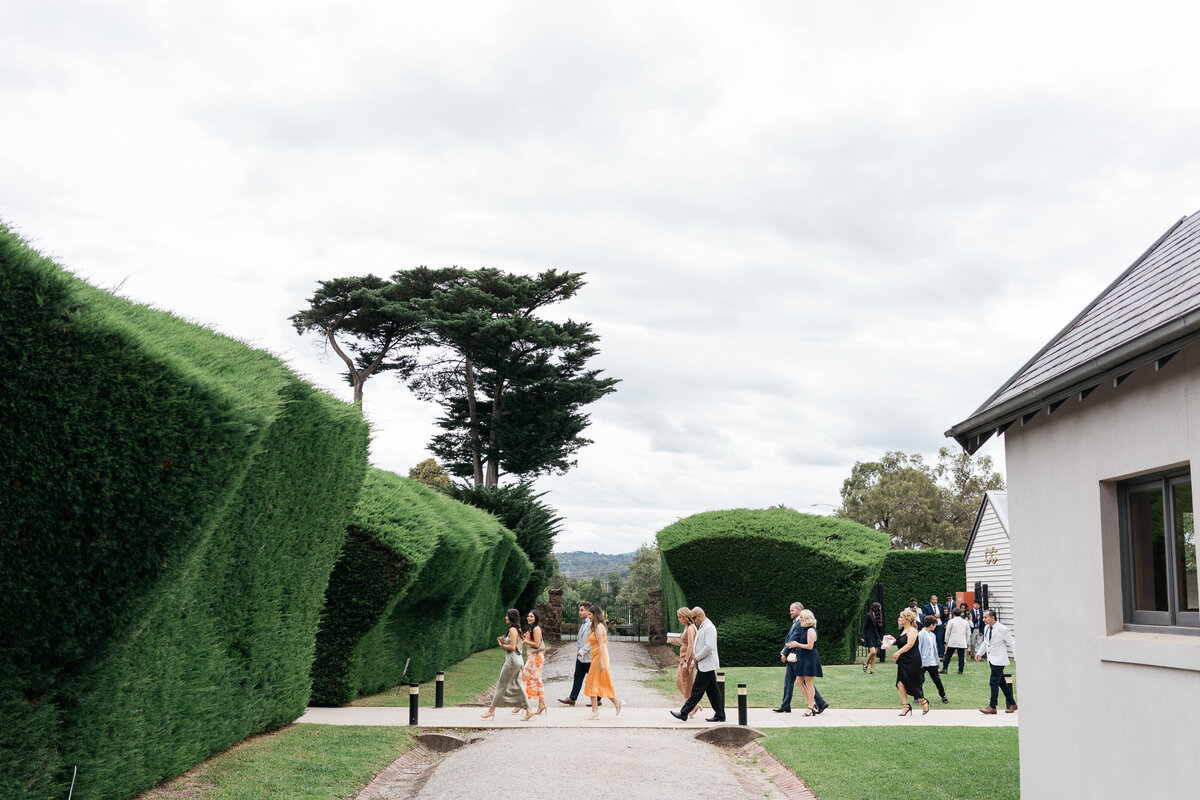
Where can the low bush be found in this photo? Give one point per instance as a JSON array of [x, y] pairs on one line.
[[747, 566], [172, 504], [422, 582]]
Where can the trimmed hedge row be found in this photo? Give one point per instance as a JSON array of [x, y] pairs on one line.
[[919, 574], [745, 567], [171, 506], [423, 581]]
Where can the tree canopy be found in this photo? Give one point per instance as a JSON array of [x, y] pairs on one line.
[[917, 504]]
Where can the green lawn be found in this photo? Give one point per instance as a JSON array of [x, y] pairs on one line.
[[902, 763], [300, 762], [849, 687], [465, 681]]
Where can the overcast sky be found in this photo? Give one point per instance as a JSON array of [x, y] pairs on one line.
[[812, 231]]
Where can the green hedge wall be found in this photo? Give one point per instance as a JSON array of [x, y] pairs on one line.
[[171, 506], [745, 567], [422, 578], [918, 573]]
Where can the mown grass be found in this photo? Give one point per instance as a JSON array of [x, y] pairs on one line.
[[300, 762], [847, 686], [465, 681], [902, 763]]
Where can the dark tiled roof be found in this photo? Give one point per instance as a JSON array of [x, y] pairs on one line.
[[1143, 305]]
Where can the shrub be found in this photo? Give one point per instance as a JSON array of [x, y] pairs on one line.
[[172, 504], [919, 573], [422, 582], [746, 567]]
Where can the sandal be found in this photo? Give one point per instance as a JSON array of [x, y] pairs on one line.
[[812, 712], [924, 705], [905, 709], [864, 667], [488, 715]]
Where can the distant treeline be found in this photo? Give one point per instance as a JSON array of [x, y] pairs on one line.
[[582, 564]]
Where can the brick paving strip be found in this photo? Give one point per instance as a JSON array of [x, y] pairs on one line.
[[784, 779], [404, 777]]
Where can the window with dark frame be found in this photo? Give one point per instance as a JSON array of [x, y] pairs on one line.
[[1158, 548]]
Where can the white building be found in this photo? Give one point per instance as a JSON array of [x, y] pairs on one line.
[[989, 556], [1101, 429]]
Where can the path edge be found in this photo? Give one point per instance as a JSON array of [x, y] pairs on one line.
[[784, 779]]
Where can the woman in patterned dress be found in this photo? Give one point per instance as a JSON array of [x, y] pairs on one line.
[[535, 658]]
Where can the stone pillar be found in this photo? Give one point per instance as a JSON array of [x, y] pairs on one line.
[[552, 616], [656, 622]]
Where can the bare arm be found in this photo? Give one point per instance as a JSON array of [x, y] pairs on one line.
[[602, 646], [811, 640], [510, 642]]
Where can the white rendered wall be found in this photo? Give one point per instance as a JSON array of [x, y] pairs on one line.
[[997, 576], [1093, 724]]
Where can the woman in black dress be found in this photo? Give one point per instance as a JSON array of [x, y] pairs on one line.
[[908, 662], [872, 636]]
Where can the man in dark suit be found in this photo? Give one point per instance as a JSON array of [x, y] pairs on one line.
[[791, 644], [934, 608], [976, 626]]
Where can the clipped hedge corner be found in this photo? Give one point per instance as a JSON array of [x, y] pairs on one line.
[[171, 506], [745, 567], [423, 580]]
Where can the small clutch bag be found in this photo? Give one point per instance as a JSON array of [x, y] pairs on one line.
[[792, 657]]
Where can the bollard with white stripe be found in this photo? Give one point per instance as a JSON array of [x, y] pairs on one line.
[[721, 686], [742, 704], [439, 692], [414, 700]]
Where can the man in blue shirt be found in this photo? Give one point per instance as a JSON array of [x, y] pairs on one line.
[[791, 643]]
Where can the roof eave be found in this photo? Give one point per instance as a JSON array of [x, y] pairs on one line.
[[972, 432]]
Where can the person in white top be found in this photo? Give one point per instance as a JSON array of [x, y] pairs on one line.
[[704, 650], [958, 633], [997, 641]]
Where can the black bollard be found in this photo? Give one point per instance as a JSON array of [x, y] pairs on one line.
[[414, 700], [440, 692], [742, 704], [721, 686]]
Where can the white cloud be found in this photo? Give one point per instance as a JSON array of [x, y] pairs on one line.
[[812, 233]]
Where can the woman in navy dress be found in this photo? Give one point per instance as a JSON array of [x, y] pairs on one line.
[[909, 676], [808, 663]]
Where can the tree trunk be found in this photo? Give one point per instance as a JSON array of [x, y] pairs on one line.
[[473, 429], [357, 378], [493, 460]]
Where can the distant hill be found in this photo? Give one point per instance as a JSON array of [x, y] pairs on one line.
[[581, 564]]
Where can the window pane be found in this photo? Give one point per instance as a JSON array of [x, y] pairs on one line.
[[1185, 547], [1149, 549]]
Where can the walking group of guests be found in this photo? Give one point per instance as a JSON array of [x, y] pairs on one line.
[[929, 639], [520, 682]]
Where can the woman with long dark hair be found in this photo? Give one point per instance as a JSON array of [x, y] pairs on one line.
[[872, 636], [509, 691], [535, 658], [599, 679]]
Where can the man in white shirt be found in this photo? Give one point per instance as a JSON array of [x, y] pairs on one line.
[[583, 655], [704, 650], [997, 641]]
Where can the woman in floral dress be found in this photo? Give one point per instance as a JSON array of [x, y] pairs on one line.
[[535, 659]]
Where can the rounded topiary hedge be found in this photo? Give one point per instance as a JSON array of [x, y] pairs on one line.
[[422, 582], [745, 567], [171, 506]]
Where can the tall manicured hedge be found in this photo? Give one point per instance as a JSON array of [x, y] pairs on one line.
[[171, 504], [745, 567], [919, 574], [423, 580]]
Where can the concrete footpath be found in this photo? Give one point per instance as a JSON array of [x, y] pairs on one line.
[[633, 664]]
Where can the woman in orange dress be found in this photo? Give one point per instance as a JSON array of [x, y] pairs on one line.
[[535, 658], [685, 675], [599, 678]]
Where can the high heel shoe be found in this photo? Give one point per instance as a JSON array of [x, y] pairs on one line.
[[528, 715], [619, 704], [924, 706], [593, 716], [812, 712], [864, 667], [907, 709], [516, 710], [488, 715]]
